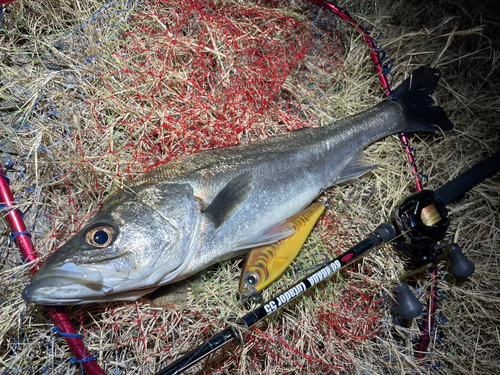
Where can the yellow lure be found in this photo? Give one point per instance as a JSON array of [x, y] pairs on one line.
[[264, 264]]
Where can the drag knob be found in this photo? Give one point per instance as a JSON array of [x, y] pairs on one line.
[[461, 266], [408, 305]]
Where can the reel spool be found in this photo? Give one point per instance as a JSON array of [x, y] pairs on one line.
[[423, 221]]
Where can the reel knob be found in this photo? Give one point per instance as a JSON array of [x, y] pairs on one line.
[[461, 266], [408, 305]]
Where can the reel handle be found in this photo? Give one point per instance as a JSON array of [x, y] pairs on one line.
[[461, 266], [408, 305]]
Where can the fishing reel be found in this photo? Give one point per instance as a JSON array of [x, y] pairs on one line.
[[422, 221]]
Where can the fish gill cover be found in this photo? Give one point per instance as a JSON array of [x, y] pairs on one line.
[[89, 103]]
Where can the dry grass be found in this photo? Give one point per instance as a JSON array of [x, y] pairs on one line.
[[311, 336]]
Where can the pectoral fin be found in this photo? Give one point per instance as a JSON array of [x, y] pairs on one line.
[[278, 232], [229, 198]]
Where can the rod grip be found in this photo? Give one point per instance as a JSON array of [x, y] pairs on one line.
[[454, 189]]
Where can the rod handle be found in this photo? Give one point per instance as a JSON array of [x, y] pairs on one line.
[[454, 189]]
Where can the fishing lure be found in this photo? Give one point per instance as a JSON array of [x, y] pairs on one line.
[[264, 264]]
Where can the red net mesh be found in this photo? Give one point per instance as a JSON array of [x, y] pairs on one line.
[[355, 316], [187, 76]]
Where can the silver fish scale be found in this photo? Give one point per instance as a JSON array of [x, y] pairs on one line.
[[289, 171], [294, 149]]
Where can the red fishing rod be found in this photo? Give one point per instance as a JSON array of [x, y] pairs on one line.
[[379, 67], [23, 239]]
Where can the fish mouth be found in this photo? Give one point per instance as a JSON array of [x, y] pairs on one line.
[[54, 290], [54, 285]]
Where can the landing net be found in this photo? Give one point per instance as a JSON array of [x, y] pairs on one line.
[[137, 85]]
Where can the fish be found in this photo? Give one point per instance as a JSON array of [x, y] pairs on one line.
[[211, 206], [264, 264]]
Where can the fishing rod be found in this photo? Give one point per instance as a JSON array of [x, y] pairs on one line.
[[421, 220], [382, 234], [408, 305]]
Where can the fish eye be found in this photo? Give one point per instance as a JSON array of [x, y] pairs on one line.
[[252, 278], [100, 236]]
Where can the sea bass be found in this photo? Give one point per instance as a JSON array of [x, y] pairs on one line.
[[214, 205]]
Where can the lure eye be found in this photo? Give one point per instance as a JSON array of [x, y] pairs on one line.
[[100, 236], [252, 278]]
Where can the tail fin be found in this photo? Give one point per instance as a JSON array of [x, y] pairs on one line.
[[414, 96]]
